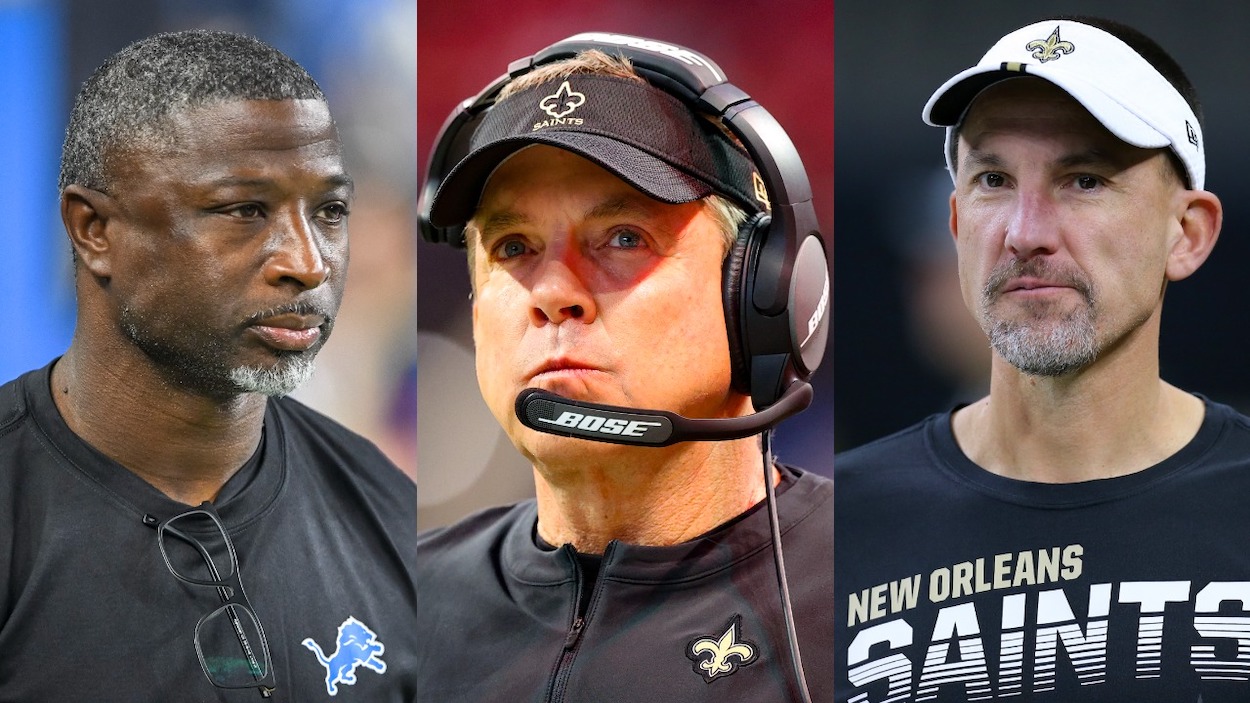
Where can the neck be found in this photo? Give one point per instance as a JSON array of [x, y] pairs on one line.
[[181, 442], [1112, 418], [649, 496]]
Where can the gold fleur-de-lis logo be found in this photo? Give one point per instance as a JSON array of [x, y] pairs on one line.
[[1051, 48], [723, 655], [562, 102]]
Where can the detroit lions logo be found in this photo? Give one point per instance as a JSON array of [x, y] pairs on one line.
[[357, 646]]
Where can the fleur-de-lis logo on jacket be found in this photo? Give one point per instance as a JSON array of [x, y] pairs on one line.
[[1050, 48], [721, 656], [562, 102]]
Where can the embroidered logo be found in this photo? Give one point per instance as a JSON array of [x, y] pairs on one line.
[[761, 191], [357, 646], [562, 102], [1191, 134], [721, 655], [1050, 48]]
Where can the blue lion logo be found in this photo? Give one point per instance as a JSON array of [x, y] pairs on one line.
[[357, 645]]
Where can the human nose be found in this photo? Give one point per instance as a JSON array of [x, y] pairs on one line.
[[299, 254], [559, 291], [1033, 227]]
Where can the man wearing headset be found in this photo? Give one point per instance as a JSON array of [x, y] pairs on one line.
[[599, 210], [1075, 535]]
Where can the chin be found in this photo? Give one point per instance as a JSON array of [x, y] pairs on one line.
[[557, 452]]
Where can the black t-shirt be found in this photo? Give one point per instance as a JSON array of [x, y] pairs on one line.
[[955, 584], [323, 524], [501, 620]]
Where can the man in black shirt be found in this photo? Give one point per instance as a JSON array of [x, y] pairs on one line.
[[601, 214], [1074, 535], [155, 468]]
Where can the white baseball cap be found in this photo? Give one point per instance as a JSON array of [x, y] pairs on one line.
[[1106, 76]]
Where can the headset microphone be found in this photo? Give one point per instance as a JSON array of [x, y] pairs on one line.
[[554, 414]]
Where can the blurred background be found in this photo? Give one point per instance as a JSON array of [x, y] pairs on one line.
[[904, 346], [363, 54], [779, 53]]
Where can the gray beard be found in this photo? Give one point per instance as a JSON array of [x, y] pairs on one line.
[[282, 379], [1048, 350], [199, 362], [1039, 345]]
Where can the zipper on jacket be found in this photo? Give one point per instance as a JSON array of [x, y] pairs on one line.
[[582, 608]]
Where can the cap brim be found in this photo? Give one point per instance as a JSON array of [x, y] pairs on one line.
[[948, 104], [461, 192]]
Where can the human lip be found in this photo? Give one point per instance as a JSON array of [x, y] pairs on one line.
[[1030, 285], [289, 332], [561, 366]]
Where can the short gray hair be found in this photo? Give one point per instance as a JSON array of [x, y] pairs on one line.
[[125, 101]]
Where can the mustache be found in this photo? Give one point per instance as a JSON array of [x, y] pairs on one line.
[[1037, 268], [299, 307]]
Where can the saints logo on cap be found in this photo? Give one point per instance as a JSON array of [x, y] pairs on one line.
[[562, 102], [1050, 48]]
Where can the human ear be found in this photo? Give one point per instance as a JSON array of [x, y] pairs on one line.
[[85, 213], [954, 221], [1200, 216]]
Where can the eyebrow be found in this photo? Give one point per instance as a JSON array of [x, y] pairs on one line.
[[981, 159], [617, 206], [1088, 157], [503, 220], [1091, 157], [338, 180]]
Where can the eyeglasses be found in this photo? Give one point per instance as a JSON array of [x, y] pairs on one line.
[[229, 640]]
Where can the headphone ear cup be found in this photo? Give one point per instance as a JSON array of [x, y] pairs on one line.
[[738, 261]]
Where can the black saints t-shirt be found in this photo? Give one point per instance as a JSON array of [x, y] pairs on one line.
[[955, 584]]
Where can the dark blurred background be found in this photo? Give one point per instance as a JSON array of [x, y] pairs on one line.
[[779, 53], [903, 345], [363, 53]]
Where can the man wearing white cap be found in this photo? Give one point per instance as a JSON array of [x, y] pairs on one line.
[[1065, 538]]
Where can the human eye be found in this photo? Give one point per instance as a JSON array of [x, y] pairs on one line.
[[509, 249], [333, 213], [991, 180], [245, 211], [1087, 182], [626, 239]]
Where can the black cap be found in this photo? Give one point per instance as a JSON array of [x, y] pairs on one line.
[[645, 136]]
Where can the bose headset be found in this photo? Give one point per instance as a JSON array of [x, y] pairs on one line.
[[775, 279]]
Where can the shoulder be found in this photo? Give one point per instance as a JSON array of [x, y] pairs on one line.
[[904, 445], [305, 424], [12, 405], [1225, 414], [456, 553], [1224, 435], [475, 533], [324, 446], [808, 489]]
